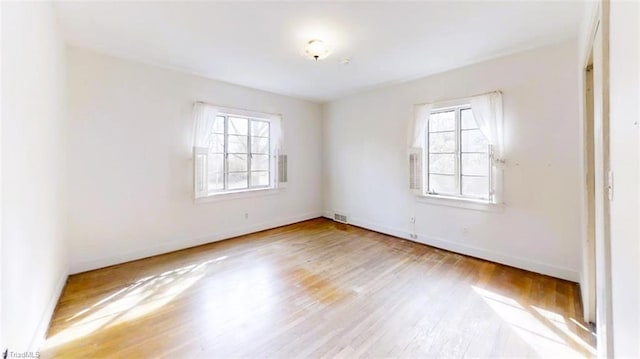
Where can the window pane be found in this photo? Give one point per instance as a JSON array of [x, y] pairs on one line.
[[442, 142], [216, 181], [443, 121], [216, 163], [238, 126], [467, 120], [216, 143], [475, 164], [260, 162], [259, 128], [259, 145], [474, 141], [237, 180], [218, 125], [477, 187], [442, 184], [237, 163], [238, 144], [443, 164], [259, 179]]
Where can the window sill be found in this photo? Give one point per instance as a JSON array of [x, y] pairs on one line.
[[466, 203], [232, 195]]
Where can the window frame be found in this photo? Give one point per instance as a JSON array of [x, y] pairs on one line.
[[225, 170], [213, 195], [458, 107]]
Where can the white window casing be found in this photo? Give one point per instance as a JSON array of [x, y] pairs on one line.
[[488, 115], [215, 143]]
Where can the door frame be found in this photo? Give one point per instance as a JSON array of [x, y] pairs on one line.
[[589, 250], [596, 276]]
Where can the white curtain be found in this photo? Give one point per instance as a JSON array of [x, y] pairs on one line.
[[204, 118], [487, 111], [205, 115], [418, 127], [277, 133], [278, 151]]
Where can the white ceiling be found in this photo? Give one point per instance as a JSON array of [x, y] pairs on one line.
[[260, 44]]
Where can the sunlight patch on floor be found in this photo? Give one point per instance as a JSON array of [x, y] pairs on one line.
[[559, 322], [144, 296], [245, 297], [546, 332]]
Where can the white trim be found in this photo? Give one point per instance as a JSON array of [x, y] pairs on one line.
[[200, 168], [178, 244], [494, 173], [444, 105], [454, 101], [40, 333], [588, 28], [244, 113], [241, 194], [518, 262], [460, 202]]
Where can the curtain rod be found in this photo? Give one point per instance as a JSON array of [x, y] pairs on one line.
[[458, 98], [239, 109]]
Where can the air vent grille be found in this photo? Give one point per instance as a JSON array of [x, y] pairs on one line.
[[282, 168], [338, 217], [415, 171]]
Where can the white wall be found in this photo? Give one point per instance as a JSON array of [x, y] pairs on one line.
[[34, 264], [625, 162], [539, 227], [130, 161]]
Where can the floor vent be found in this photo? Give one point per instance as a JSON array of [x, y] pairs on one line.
[[338, 217]]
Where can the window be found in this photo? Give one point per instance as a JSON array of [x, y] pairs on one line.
[[235, 151], [239, 156], [457, 157]]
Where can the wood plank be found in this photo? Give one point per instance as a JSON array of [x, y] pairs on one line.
[[316, 289]]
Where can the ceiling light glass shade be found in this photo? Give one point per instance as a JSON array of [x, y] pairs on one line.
[[317, 50]]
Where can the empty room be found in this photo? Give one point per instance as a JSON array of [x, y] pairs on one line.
[[319, 179]]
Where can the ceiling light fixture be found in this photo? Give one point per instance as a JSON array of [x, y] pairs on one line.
[[317, 50]]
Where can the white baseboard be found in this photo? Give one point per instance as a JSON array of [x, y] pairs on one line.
[[40, 334], [178, 244], [507, 259]]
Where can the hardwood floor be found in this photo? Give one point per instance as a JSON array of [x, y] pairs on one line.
[[316, 289]]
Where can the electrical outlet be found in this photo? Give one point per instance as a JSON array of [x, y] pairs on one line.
[[413, 236], [412, 220], [246, 216], [465, 231]]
